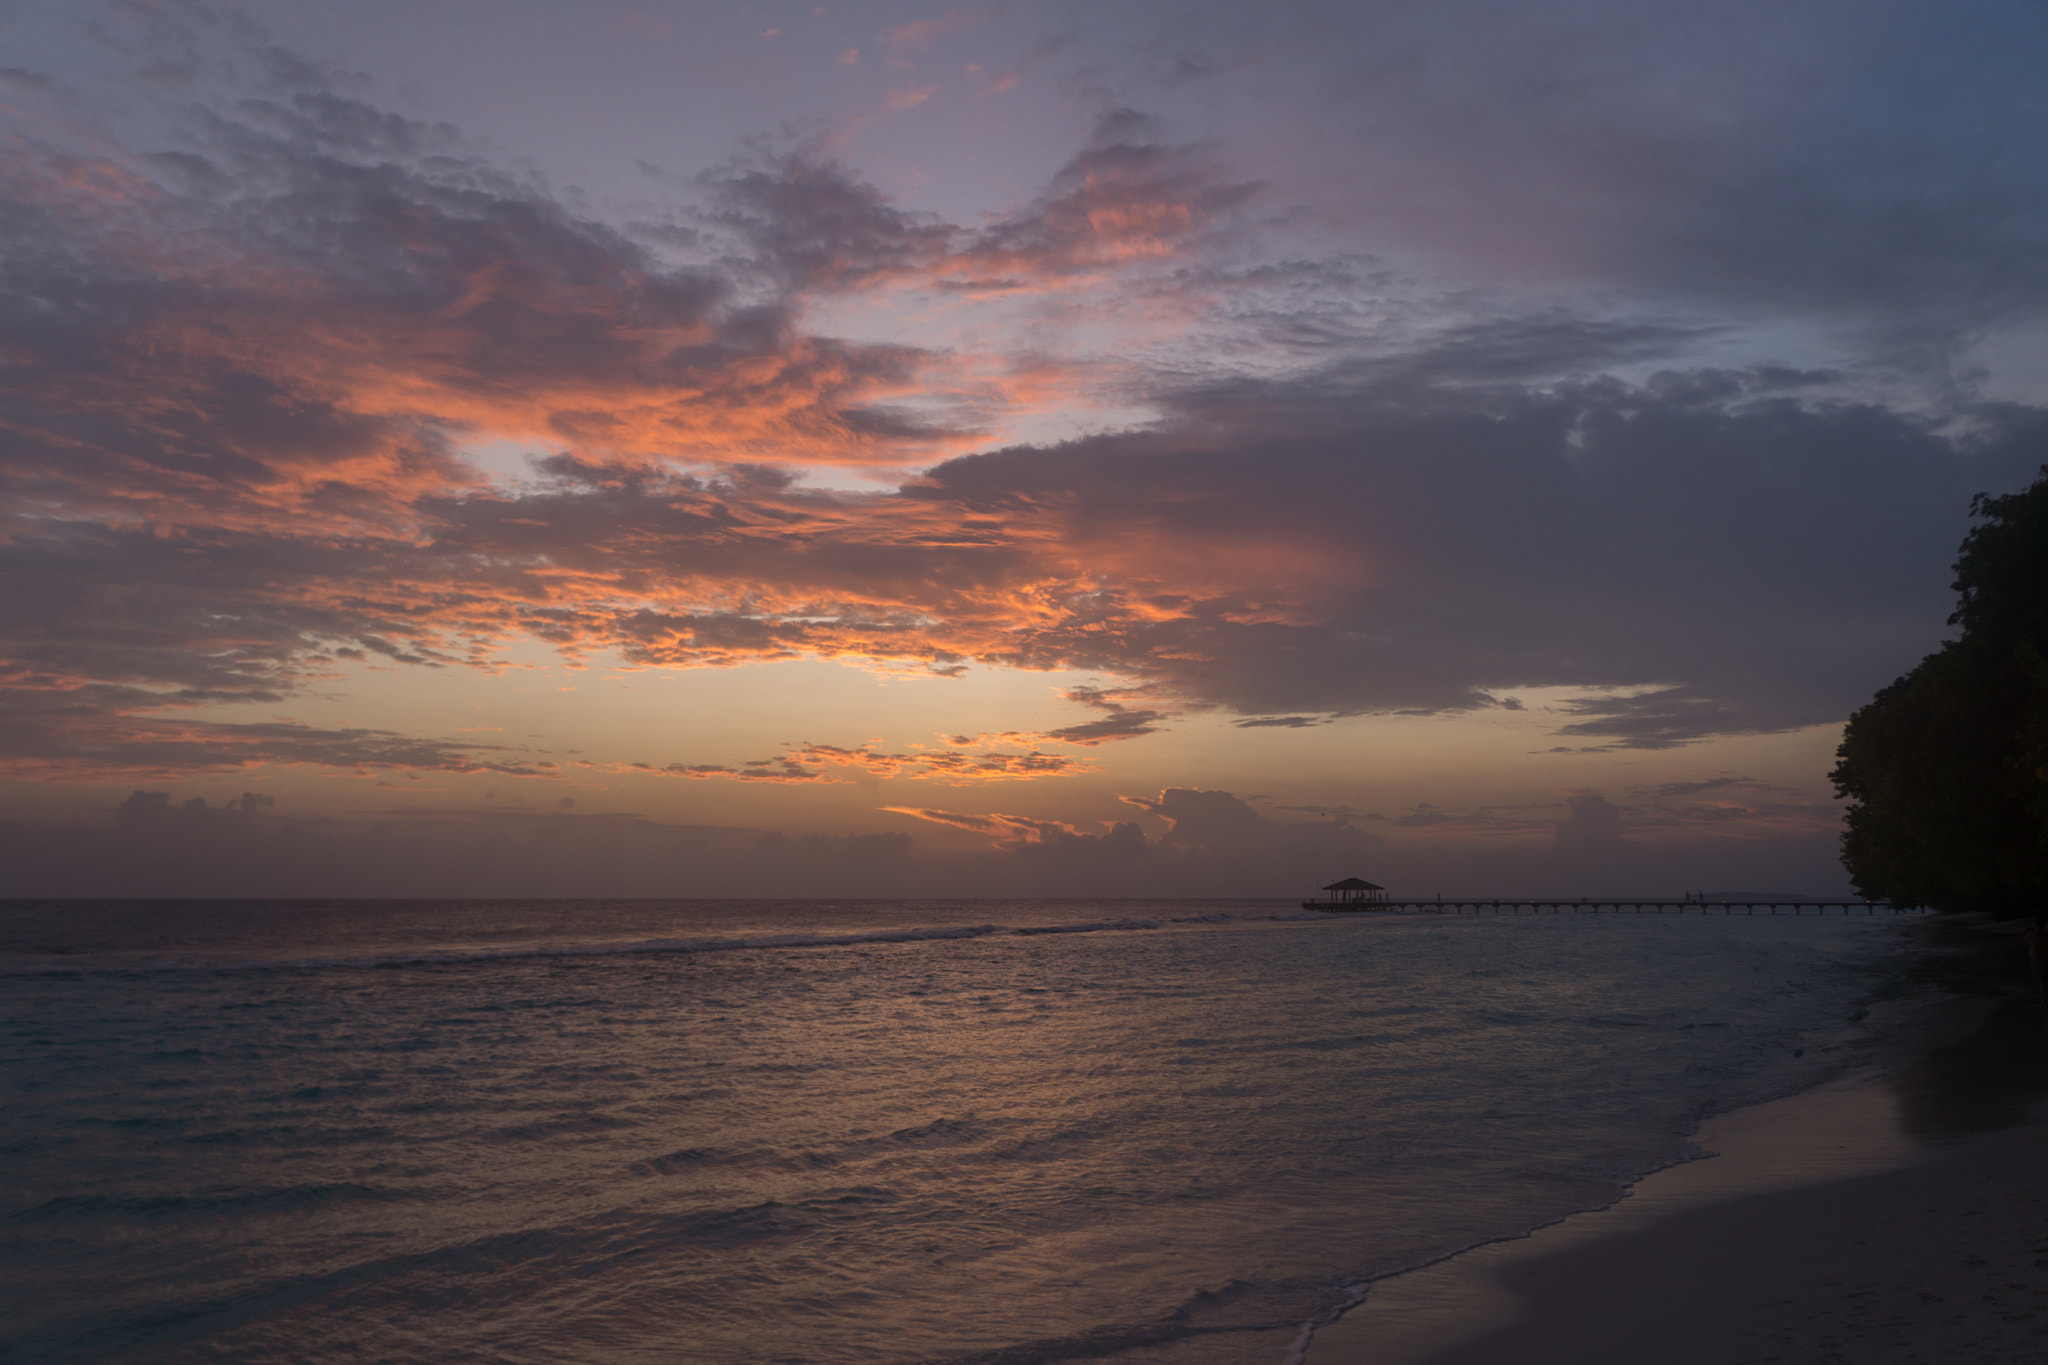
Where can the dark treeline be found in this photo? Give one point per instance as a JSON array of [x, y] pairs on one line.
[[1948, 766]]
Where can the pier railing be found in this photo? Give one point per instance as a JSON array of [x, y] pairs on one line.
[[1464, 905]]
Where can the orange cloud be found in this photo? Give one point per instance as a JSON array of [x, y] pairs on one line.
[[947, 766]]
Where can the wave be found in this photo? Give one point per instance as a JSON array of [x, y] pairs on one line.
[[501, 1267], [289, 1199], [1092, 927], [428, 957], [1241, 1306]]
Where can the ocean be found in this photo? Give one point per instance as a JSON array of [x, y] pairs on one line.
[[1171, 1132]]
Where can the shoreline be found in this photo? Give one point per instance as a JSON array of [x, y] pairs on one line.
[[1823, 1201]]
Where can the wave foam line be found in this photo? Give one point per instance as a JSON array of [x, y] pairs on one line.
[[428, 957]]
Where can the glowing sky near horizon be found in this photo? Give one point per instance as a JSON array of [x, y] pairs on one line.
[[1481, 439]]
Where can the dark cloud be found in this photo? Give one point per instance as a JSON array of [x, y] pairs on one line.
[[1745, 565], [153, 811], [94, 733], [1119, 721], [815, 225], [1661, 719], [1121, 725]]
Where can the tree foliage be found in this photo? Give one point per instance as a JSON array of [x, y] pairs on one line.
[[1948, 767]]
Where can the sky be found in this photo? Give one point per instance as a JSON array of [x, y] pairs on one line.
[[879, 449]]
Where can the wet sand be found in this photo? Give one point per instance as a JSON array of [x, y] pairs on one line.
[[1899, 1214]]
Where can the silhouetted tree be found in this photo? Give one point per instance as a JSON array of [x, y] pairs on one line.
[[1948, 766]]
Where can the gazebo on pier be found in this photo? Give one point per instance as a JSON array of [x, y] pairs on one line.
[[1350, 894]]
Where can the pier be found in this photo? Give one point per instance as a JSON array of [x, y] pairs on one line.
[[1440, 905]]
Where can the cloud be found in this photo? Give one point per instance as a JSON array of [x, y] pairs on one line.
[[1119, 722], [1119, 725], [1413, 547], [815, 225], [333, 297], [1696, 568], [169, 843], [154, 811], [1038, 838], [1212, 834], [237, 413], [67, 728], [1220, 824], [919, 34], [784, 769], [950, 766], [1659, 719], [1124, 199], [1128, 217]]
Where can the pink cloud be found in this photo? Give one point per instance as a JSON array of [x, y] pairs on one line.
[[920, 34], [1023, 834]]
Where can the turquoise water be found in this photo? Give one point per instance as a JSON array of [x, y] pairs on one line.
[[884, 1131]]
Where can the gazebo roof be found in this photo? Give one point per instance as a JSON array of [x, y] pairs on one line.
[[1353, 884]]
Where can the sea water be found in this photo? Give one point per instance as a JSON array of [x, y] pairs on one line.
[[995, 1131]]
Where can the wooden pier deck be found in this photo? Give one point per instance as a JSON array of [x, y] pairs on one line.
[[1439, 905]]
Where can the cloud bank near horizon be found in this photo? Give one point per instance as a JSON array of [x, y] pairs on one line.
[[1203, 843]]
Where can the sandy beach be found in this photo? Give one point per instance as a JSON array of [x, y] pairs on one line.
[[1897, 1215], [1934, 1262]]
